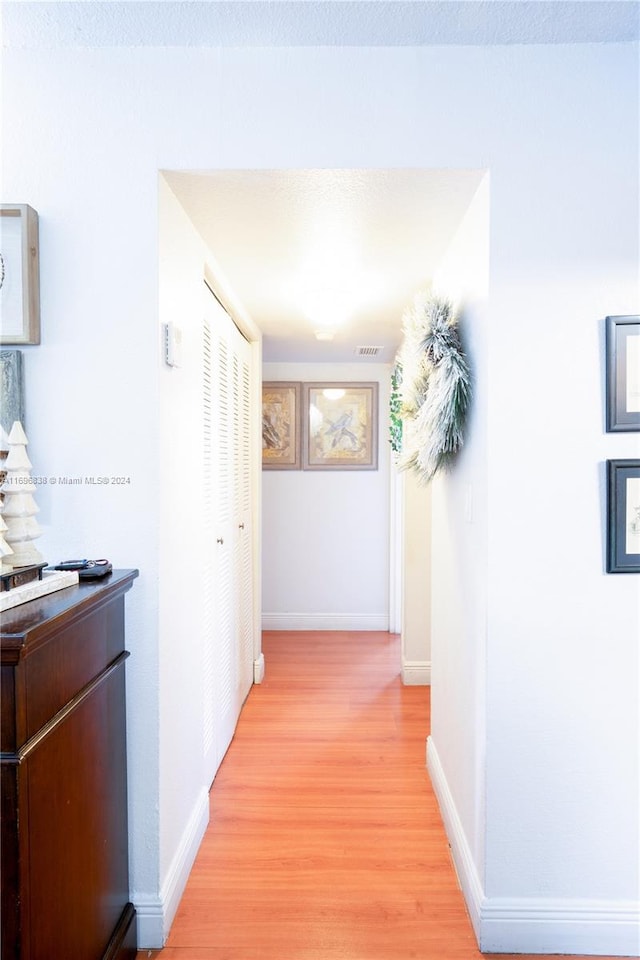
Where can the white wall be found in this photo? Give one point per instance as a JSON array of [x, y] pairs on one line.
[[182, 554], [325, 546], [185, 549], [416, 580], [457, 748], [84, 134]]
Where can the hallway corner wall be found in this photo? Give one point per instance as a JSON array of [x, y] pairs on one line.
[[459, 558]]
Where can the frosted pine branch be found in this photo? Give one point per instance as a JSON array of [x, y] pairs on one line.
[[436, 387]]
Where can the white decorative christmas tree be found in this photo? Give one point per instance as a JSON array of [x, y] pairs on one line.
[[19, 508], [4, 450], [5, 550]]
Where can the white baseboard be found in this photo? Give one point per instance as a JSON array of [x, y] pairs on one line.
[[323, 621], [155, 916], [460, 850], [258, 669], [587, 927], [527, 924], [416, 673], [149, 922]]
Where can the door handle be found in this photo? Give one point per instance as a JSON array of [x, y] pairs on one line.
[[219, 540], [241, 526]]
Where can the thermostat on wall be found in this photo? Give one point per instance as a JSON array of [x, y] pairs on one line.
[[172, 345]]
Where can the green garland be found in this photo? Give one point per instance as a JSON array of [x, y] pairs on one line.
[[436, 387], [395, 410]]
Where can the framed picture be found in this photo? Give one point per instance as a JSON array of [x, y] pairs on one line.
[[340, 426], [623, 516], [623, 373], [280, 426], [19, 274]]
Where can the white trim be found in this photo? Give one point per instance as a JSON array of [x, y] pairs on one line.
[[528, 924], [176, 879], [256, 501], [149, 923], [324, 621], [226, 297], [155, 916], [416, 673], [460, 850], [258, 669], [396, 547]]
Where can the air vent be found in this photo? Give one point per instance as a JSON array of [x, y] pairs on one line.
[[368, 351]]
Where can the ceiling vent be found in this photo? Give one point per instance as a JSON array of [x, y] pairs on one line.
[[368, 351]]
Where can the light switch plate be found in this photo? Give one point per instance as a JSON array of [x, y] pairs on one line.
[[172, 345]]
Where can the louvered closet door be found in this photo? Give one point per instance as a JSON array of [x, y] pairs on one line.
[[242, 496], [209, 719], [228, 638], [226, 641]]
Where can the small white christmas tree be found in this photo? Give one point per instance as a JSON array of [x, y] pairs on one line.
[[5, 550], [4, 450], [19, 508]]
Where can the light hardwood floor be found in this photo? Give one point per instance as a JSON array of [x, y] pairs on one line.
[[325, 840]]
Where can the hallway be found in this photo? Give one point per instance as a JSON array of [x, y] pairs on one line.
[[325, 840]]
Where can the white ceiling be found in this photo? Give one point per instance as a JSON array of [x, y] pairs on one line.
[[304, 248], [342, 250], [316, 22]]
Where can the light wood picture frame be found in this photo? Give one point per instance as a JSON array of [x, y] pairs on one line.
[[280, 425], [19, 275], [340, 426]]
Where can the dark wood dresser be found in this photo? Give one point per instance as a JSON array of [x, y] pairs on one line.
[[64, 853]]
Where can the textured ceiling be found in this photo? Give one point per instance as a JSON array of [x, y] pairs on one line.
[[305, 249], [343, 250], [311, 23]]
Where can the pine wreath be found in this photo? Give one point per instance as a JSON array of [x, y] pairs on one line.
[[436, 387]]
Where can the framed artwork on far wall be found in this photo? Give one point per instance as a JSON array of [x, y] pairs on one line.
[[623, 516], [340, 426], [623, 373], [19, 275], [280, 425]]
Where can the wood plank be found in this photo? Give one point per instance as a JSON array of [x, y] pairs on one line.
[[325, 840]]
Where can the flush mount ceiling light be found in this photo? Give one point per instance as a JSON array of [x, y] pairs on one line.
[[324, 290]]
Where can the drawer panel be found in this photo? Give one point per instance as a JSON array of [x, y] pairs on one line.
[[60, 668]]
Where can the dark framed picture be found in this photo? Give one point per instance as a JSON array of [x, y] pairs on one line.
[[280, 426], [19, 274], [623, 373], [623, 516], [340, 426]]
